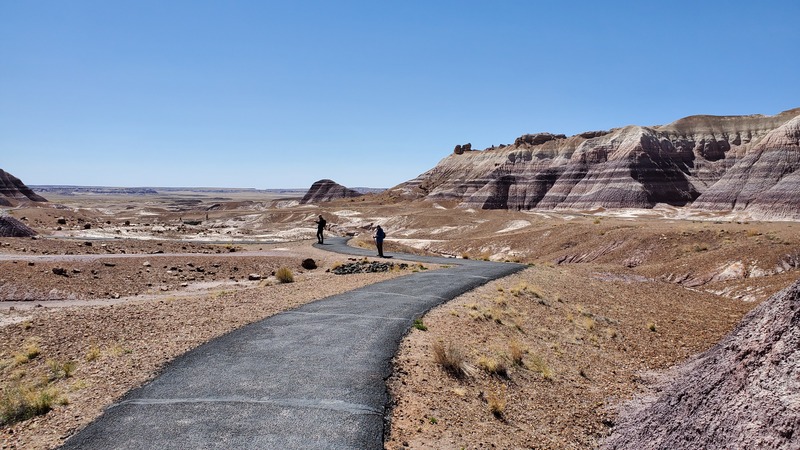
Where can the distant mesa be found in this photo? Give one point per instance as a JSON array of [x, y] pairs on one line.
[[12, 227], [327, 190], [734, 395], [13, 192], [710, 163]]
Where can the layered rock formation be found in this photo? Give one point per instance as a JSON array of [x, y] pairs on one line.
[[13, 191], [710, 162], [327, 190], [11, 227], [742, 393]]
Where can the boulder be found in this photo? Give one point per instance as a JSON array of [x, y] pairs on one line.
[[11, 227]]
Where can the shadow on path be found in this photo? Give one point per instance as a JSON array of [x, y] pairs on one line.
[[309, 378]]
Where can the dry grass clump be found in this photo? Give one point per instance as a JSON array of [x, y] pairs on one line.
[[516, 351], [496, 400], [31, 351], [524, 288], [93, 353], [451, 358], [21, 402], [284, 275], [538, 364], [493, 366]]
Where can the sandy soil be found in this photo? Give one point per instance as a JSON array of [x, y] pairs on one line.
[[609, 300]]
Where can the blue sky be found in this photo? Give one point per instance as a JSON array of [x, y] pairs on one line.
[[269, 94]]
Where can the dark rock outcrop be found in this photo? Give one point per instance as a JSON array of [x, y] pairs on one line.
[[742, 393], [13, 191], [327, 190], [740, 163], [11, 227]]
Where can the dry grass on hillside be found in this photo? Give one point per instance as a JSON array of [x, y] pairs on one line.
[[570, 347]]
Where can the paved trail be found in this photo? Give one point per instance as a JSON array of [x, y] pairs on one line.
[[309, 378]]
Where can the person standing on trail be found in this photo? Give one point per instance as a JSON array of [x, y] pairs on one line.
[[320, 227], [379, 236]]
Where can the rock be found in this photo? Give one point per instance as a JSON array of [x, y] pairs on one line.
[[537, 139], [741, 393], [60, 271], [308, 264], [460, 149], [254, 277], [61, 221], [146, 264], [362, 267], [11, 227], [87, 226], [326, 190]]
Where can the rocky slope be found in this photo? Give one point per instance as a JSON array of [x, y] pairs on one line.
[[742, 393], [742, 163], [13, 191], [327, 190]]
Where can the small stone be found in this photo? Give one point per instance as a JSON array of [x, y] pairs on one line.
[[254, 277]]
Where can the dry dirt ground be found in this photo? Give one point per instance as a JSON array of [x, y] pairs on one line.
[[548, 354]]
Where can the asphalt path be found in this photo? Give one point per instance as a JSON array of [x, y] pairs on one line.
[[310, 378]]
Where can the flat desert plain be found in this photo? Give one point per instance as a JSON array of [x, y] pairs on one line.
[[118, 285]]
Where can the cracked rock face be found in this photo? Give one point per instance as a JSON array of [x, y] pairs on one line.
[[13, 191], [742, 393], [710, 162], [327, 190]]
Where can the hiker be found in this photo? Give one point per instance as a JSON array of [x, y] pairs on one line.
[[379, 236], [320, 227]]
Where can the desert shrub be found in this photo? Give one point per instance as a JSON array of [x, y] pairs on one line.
[[419, 325], [496, 399], [93, 353], [18, 403], [493, 366], [31, 351], [451, 358], [651, 326], [523, 288], [59, 370], [284, 275], [538, 364], [516, 352]]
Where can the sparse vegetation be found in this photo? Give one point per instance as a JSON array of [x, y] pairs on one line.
[[21, 402], [284, 275], [451, 358], [59, 370], [93, 353], [651, 326], [496, 399], [538, 364], [419, 325], [516, 352], [493, 366]]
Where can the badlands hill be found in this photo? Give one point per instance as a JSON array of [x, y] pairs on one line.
[[327, 190], [714, 163], [13, 191]]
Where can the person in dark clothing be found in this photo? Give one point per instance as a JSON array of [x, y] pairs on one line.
[[379, 236], [320, 227]]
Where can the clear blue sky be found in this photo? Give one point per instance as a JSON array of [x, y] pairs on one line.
[[271, 94]]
